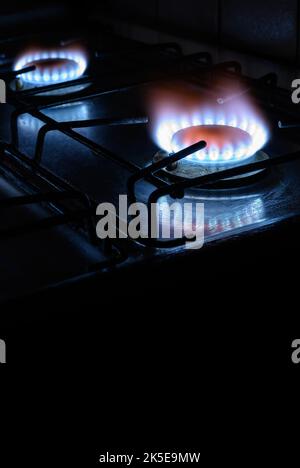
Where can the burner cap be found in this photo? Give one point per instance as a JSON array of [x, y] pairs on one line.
[[189, 169]]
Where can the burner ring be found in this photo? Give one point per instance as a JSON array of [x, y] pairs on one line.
[[52, 67], [223, 143], [231, 137]]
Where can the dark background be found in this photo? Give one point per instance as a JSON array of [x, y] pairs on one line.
[[268, 28]]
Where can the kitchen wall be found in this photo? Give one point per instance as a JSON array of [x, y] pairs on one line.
[[19, 17], [269, 28]]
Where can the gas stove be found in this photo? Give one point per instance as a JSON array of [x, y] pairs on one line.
[[85, 123]]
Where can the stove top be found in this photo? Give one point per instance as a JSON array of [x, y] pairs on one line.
[[71, 138]]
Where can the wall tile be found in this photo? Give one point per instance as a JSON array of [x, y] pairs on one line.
[[266, 27], [191, 18], [140, 11]]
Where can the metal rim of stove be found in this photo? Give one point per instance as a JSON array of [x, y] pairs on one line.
[[19, 85], [186, 169]]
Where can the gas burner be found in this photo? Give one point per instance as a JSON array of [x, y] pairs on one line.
[[228, 144], [227, 141], [234, 132], [51, 67], [224, 143]]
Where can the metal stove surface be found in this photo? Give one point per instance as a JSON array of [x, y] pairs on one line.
[[50, 257], [278, 193]]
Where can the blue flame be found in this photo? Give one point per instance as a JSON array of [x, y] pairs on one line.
[[73, 67], [245, 118]]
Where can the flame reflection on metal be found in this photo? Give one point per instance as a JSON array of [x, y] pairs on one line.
[[222, 216], [219, 217]]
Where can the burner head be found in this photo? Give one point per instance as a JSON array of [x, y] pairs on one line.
[[224, 143], [53, 66], [227, 145], [228, 140]]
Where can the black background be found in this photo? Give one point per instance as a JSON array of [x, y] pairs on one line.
[[209, 371]]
